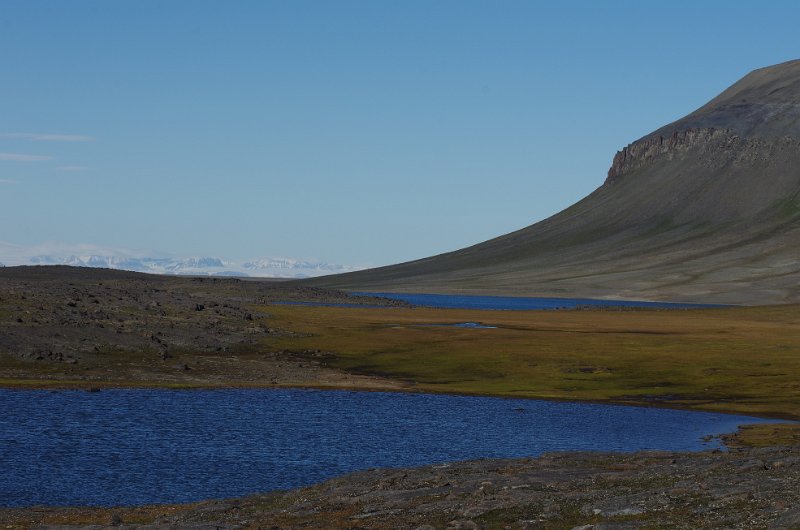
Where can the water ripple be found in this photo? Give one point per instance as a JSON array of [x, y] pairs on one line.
[[123, 447]]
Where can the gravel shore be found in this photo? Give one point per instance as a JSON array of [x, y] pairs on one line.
[[742, 488]]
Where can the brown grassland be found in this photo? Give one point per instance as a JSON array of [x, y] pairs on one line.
[[740, 359], [743, 359]]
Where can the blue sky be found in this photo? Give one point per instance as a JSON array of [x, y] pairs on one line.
[[359, 132]]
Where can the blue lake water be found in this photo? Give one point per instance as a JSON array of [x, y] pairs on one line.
[[329, 304], [451, 301], [123, 447], [468, 325]]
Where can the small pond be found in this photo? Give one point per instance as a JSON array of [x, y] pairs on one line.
[[123, 447]]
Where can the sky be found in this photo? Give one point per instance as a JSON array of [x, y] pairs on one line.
[[357, 132]]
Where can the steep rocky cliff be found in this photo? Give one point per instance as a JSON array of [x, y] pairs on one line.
[[704, 209], [647, 150]]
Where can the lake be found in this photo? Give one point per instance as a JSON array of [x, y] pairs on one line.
[[124, 447], [511, 303]]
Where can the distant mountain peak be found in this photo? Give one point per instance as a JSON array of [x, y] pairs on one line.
[[193, 265], [285, 263]]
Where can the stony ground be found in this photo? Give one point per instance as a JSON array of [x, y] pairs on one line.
[[743, 488], [85, 327]]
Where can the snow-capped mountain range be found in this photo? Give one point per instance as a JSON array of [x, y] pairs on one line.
[[157, 263]]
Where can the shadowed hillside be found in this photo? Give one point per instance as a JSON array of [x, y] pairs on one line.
[[704, 209]]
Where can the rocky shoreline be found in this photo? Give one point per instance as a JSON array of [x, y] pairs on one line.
[[741, 488]]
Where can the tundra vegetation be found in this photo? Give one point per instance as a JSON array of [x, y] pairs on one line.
[[149, 331]]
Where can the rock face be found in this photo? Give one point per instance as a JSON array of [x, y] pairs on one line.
[[704, 209], [647, 150]]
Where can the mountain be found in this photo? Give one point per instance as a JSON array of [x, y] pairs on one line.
[[109, 258], [201, 266], [704, 209], [288, 268]]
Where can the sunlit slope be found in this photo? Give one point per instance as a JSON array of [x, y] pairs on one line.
[[704, 209]]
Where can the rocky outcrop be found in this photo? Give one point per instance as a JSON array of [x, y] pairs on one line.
[[647, 149], [710, 149]]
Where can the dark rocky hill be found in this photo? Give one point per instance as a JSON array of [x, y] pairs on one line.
[[704, 209]]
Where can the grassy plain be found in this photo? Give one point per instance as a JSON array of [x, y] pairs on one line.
[[740, 359], [744, 359]]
